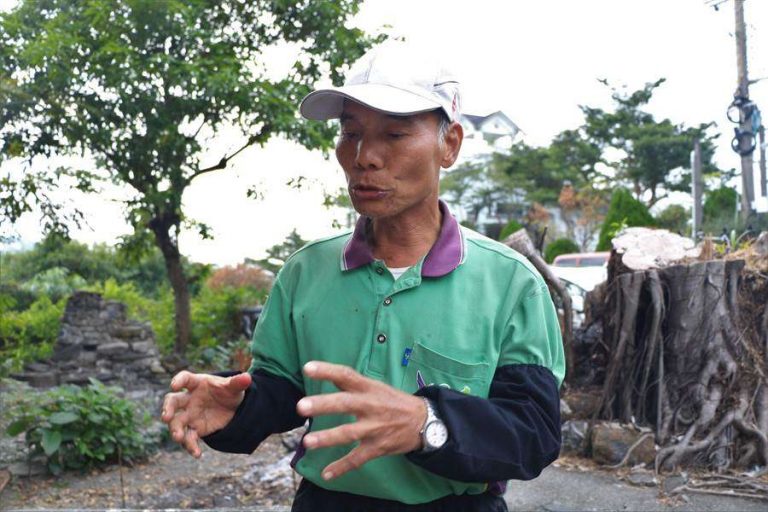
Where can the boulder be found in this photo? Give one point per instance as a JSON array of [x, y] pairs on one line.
[[574, 437], [114, 347], [611, 442]]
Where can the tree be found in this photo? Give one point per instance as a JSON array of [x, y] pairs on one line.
[[558, 247], [624, 211], [278, 253], [720, 209], [674, 218], [136, 85], [648, 150]]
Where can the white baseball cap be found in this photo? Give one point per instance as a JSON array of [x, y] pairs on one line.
[[394, 78]]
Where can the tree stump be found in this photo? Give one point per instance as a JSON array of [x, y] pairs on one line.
[[687, 351], [522, 243]]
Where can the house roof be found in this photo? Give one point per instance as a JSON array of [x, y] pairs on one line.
[[477, 121]]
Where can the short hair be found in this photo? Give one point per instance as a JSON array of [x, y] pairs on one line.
[[443, 125]]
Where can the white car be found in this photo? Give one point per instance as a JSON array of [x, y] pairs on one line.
[[578, 281]]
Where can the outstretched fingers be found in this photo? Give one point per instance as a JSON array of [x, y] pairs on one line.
[[353, 460], [344, 377], [344, 434]]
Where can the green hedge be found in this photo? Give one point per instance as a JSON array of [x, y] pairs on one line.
[[624, 211], [558, 247]]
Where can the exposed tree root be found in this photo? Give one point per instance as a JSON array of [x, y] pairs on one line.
[[688, 355]]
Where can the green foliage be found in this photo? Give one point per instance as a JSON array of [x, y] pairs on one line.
[[77, 428], [56, 283], [648, 150], [140, 86], [558, 247], [280, 252], [29, 334], [624, 211], [511, 227], [93, 264], [674, 218], [216, 314], [720, 210]]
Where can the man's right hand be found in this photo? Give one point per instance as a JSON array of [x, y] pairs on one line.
[[200, 405]]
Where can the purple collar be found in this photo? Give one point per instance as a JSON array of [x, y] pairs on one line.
[[442, 259]]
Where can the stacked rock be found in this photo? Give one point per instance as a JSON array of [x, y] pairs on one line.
[[98, 340]]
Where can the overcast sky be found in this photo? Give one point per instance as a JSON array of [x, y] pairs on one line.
[[535, 60]]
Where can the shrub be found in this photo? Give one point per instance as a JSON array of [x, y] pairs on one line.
[[719, 211], [674, 218], [624, 211], [27, 335], [510, 228], [216, 317], [77, 428], [55, 282], [243, 275], [558, 247]]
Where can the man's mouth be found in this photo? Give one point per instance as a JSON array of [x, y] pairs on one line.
[[367, 192]]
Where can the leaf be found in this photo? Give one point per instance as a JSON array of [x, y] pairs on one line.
[[51, 441], [62, 418], [17, 427]]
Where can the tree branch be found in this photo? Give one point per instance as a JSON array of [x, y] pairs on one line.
[[225, 159]]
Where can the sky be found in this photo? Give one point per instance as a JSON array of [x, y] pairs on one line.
[[537, 61]]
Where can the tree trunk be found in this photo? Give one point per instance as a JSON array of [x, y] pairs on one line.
[[178, 280], [522, 243], [687, 352]]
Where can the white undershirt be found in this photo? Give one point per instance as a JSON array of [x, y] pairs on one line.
[[397, 272]]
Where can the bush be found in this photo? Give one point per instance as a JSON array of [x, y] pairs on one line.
[[674, 218], [27, 335], [56, 283], [216, 318], [510, 228], [624, 211], [719, 211], [77, 428], [243, 275], [558, 247]]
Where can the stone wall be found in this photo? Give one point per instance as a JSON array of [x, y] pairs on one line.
[[97, 339]]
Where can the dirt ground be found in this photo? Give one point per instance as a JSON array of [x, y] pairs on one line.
[[169, 479], [264, 481]]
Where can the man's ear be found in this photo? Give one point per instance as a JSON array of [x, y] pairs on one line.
[[452, 144]]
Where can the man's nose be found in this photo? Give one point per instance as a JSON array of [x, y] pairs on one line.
[[369, 154]]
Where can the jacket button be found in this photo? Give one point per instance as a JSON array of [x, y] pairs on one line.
[[379, 270], [381, 338], [388, 301]]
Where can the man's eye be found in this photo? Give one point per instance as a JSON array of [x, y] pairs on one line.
[[396, 135], [348, 134]]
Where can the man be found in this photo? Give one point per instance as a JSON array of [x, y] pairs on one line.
[[427, 358]]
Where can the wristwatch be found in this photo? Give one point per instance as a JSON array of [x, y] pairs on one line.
[[434, 433]]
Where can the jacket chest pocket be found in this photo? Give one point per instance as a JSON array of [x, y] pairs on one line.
[[426, 367]]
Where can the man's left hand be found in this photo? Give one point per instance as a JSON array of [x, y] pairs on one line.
[[388, 420]]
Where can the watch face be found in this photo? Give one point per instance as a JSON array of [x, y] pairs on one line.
[[436, 434]]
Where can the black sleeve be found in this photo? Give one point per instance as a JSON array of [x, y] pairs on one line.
[[269, 406], [514, 434]]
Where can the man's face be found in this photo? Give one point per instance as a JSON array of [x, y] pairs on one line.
[[392, 163]]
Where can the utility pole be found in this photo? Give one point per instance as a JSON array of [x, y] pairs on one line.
[[763, 178], [745, 125], [698, 186]]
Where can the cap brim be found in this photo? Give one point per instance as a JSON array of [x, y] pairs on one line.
[[328, 103]]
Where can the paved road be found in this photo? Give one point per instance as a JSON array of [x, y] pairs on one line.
[[561, 490]]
